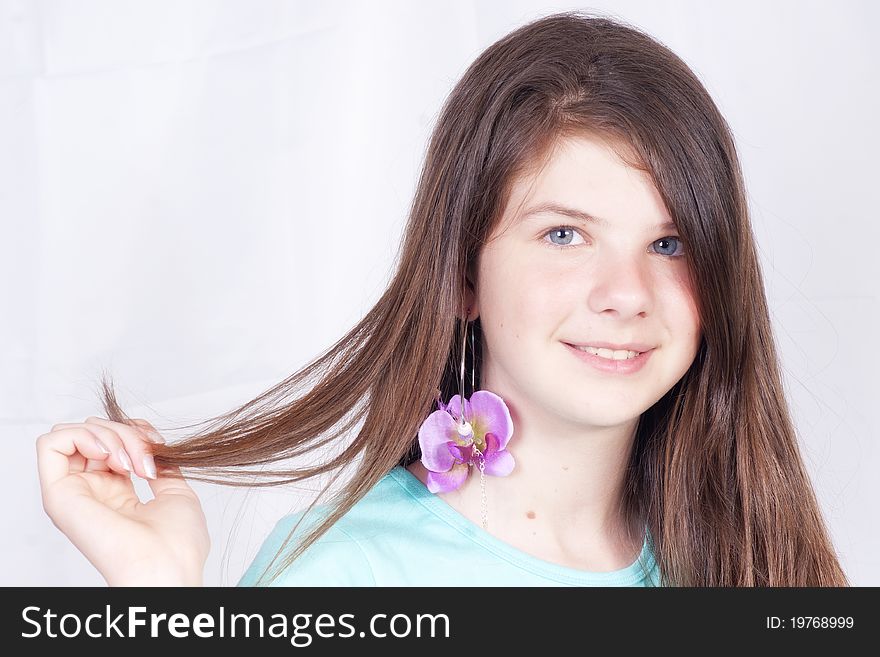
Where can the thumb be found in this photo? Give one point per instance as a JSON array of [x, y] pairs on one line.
[[169, 479]]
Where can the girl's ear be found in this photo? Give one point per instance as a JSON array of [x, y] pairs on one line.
[[471, 301]]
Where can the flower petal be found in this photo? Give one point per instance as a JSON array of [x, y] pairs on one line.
[[443, 482], [462, 453], [436, 431], [491, 415], [491, 444], [499, 463], [454, 407]]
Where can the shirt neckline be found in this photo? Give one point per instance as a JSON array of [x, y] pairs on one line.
[[641, 568]]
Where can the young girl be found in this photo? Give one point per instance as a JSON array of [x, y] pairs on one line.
[[570, 380]]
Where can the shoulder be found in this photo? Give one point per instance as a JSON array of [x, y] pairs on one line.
[[338, 557], [335, 559]]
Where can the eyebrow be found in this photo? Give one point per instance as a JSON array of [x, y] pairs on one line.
[[583, 217]]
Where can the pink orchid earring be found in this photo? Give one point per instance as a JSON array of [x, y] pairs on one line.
[[464, 433]]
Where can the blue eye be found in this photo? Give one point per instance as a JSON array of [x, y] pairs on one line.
[[565, 234], [676, 242], [562, 229]]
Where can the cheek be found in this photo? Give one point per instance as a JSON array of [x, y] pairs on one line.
[[517, 289], [683, 314], [534, 302], [517, 304]]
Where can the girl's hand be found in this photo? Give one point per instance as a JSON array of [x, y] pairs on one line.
[[85, 479]]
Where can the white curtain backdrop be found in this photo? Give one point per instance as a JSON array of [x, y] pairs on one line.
[[199, 197]]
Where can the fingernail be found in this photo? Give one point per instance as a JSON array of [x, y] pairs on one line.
[[155, 437], [126, 462], [150, 466], [102, 446]]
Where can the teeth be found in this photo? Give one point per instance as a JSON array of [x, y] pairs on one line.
[[611, 355]]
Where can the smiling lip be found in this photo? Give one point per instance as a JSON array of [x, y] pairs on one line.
[[609, 366], [629, 346]]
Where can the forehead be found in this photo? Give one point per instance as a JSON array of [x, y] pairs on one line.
[[591, 176]]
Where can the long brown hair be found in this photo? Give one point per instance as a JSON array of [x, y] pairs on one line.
[[715, 469]]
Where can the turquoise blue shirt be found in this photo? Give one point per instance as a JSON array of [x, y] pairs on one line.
[[401, 534]]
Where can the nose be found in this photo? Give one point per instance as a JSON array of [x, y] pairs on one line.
[[622, 285]]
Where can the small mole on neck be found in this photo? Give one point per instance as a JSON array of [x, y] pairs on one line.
[[530, 514]]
